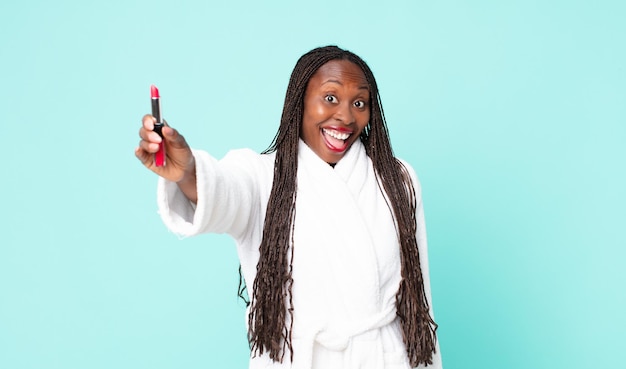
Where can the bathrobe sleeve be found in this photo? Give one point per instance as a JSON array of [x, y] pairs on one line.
[[423, 252], [228, 196]]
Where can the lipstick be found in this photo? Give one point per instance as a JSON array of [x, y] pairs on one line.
[[159, 157]]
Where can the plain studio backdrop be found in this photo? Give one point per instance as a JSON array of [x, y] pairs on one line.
[[513, 114]]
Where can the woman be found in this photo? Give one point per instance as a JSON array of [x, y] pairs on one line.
[[327, 224]]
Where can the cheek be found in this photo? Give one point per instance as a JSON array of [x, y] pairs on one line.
[[309, 123], [316, 110], [364, 119], [310, 110]]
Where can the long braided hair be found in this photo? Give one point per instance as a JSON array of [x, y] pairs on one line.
[[271, 311]]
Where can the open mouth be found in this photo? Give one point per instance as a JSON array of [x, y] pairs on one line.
[[336, 140]]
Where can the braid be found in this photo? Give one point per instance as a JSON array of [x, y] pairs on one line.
[[271, 301], [418, 327], [271, 312]]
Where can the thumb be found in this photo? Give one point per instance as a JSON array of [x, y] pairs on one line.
[[168, 132], [173, 138]]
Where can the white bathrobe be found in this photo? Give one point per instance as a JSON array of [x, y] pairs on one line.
[[346, 264]]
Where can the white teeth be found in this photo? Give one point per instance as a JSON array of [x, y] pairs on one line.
[[335, 134]]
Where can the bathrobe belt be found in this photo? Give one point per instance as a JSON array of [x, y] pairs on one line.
[[342, 340]]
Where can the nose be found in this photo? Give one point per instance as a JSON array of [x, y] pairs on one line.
[[344, 113]]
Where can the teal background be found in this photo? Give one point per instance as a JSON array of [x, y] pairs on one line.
[[512, 112]]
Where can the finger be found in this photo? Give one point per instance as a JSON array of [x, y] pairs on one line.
[[149, 136], [144, 157], [148, 122], [149, 147]]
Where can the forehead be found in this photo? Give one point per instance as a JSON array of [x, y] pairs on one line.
[[342, 71]]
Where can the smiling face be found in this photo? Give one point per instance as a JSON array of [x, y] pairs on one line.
[[336, 109]]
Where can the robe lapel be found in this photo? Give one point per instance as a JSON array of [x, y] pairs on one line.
[[335, 254], [346, 258]]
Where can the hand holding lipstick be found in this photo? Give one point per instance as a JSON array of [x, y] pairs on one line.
[[180, 168]]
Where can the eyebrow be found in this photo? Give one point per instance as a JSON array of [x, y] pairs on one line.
[[362, 87]]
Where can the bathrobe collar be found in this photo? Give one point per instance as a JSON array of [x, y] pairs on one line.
[[345, 248]]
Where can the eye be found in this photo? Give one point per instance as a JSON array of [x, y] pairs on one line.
[[331, 98], [359, 104]]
